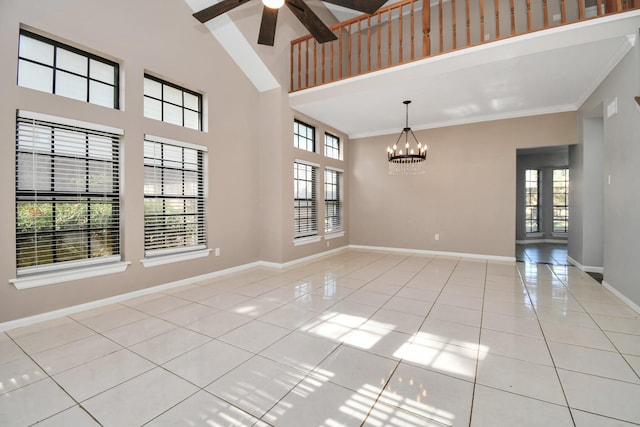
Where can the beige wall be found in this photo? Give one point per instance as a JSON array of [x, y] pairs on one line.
[[467, 196], [160, 37]]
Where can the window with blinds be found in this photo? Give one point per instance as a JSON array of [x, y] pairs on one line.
[[53, 67], [174, 197], [67, 196], [305, 205], [171, 103], [332, 201]]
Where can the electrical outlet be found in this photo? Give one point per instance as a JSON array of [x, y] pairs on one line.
[[217, 251], [437, 236]]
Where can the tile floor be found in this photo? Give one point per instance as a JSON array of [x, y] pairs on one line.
[[357, 338], [542, 253]]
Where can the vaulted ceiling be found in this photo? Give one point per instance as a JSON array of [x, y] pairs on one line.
[[543, 72]]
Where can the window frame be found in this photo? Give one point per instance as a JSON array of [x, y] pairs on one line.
[[337, 183], [332, 151], [199, 198], [531, 218], [561, 211], [55, 68], [305, 226], [309, 142], [182, 107], [53, 196]]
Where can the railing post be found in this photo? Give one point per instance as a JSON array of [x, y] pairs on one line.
[[369, 43], [426, 28], [563, 12], [291, 67], [466, 10], [581, 10], [413, 32], [441, 29], [454, 22], [497, 6], [513, 17], [400, 38], [545, 11], [529, 21], [481, 21]]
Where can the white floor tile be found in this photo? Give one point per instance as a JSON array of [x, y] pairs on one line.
[[18, 373], [32, 403], [140, 399], [188, 313], [603, 396], [254, 336], [203, 410], [169, 345], [96, 376], [521, 377], [625, 343], [586, 419], [356, 369], [133, 333], [430, 395], [316, 403], [592, 361], [396, 321], [493, 408], [75, 416], [516, 346], [383, 415], [300, 350], [76, 353], [256, 385], [206, 363], [218, 323], [51, 335]]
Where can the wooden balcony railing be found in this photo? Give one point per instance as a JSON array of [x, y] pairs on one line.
[[407, 31]]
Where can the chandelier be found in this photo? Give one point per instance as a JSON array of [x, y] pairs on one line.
[[411, 161]]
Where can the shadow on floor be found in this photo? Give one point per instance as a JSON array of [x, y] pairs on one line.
[[547, 253]]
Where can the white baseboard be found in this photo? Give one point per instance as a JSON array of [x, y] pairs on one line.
[[436, 253], [632, 305], [50, 315], [533, 241], [585, 268]]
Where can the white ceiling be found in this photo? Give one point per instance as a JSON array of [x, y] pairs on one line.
[[544, 72]]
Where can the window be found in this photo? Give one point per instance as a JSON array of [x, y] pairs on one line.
[[532, 203], [305, 206], [304, 136], [174, 197], [332, 200], [560, 200], [53, 67], [172, 104], [67, 195], [332, 146]]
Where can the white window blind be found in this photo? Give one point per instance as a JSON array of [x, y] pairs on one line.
[[305, 205], [332, 201], [174, 197], [67, 196]]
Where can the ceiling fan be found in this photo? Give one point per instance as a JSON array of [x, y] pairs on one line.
[[299, 8]]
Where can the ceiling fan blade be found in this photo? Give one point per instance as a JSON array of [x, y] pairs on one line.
[[268, 26], [217, 9], [310, 20], [366, 6]]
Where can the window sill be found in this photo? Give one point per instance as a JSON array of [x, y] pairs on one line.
[[536, 234], [306, 240], [168, 259], [334, 235], [45, 279]]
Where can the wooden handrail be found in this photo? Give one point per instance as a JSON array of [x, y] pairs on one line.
[[378, 41]]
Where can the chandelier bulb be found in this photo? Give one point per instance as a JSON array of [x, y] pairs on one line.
[[395, 147], [401, 152], [273, 4], [412, 151]]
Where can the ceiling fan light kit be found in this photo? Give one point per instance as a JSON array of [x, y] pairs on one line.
[[299, 8]]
